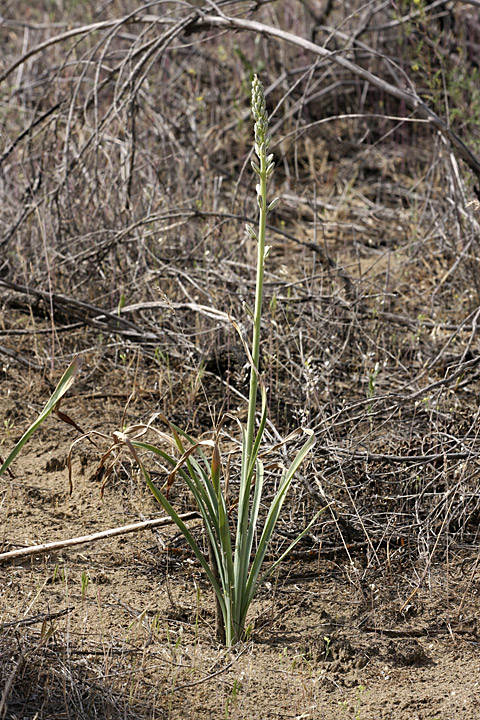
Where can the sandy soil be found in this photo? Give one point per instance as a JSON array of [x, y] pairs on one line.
[[123, 627]]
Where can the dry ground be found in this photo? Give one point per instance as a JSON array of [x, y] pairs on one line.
[[123, 627], [125, 186]]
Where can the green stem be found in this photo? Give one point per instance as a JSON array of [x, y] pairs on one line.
[[252, 398]]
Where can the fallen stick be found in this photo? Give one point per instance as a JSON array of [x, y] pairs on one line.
[[46, 547]]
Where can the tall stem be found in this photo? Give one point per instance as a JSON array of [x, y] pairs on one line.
[[263, 169], [257, 317]]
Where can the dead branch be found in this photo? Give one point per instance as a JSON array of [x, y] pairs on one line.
[[87, 313], [199, 20], [84, 539], [410, 98]]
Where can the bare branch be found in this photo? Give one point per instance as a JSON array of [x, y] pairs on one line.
[[84, 539], [411, 99]]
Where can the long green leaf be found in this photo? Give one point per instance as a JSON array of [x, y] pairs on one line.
[[259, 436], [220, 542], [272, 517], [63, 386], [162, 500], [252, 589], [282, 557], [243, 557], [207, 510]]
